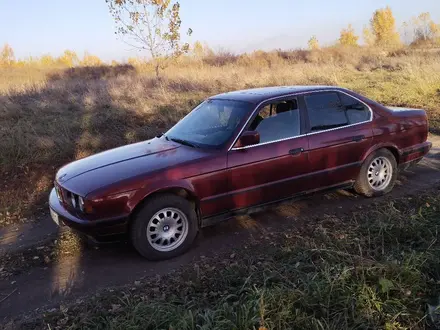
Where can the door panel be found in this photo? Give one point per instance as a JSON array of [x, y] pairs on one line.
[[268, 172], [335, 156]]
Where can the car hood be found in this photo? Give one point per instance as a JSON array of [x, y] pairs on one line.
[[113, 157], [126, 168]]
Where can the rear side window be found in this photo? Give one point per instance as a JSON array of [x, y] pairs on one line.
[[331, 110], [325, 111], [356, 111]]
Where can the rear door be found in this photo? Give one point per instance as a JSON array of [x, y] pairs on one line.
[[340, 132], [273, 169]]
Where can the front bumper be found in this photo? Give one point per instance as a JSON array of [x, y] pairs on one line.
[[95, 228]]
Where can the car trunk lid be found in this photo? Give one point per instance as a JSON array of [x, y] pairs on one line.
[[407, 112]]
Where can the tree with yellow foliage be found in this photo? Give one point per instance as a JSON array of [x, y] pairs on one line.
[[197, 50], [348, 37], [200, 50], [426, 31], [383, 27], [90, 60], [435, 28], [369, 39], [47, 60], [135, 61], [7, 55], [69, 58], [313, 43]]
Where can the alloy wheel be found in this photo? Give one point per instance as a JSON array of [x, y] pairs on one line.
[[380, 173], [167, 229]]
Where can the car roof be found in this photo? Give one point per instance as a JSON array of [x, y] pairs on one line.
[[257, 95]]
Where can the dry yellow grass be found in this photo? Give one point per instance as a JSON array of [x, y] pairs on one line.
[[49, 117]]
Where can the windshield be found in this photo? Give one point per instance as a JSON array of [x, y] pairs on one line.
[[211, 124]]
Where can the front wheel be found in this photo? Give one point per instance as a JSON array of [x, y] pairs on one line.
[[377, 175], [165, 227]]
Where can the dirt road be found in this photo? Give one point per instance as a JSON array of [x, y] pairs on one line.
[[87, 271]]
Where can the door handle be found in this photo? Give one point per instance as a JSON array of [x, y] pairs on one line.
[[358, 138], [296, 151]]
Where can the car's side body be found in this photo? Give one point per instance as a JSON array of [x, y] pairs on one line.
[[223, 182]]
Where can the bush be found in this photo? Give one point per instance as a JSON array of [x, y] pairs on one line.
[[220, 59]]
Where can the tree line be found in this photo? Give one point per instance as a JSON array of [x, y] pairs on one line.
[[69, 58], [153, 27], [420, 31]]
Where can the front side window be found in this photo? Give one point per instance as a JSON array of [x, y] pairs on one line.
[[211, 124], [277, 121]]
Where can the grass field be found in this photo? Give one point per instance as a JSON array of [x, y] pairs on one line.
[[376, 268], [51, 116]]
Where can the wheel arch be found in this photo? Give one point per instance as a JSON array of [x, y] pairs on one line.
[[183, 192], [390, 147]]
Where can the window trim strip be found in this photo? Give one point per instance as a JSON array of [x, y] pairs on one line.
[[301, 135]]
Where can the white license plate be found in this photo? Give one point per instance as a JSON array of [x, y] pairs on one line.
[[54, 217]]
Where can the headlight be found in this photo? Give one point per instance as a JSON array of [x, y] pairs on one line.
[[84, 205], [73, 200], [58, 192], [81, 203]]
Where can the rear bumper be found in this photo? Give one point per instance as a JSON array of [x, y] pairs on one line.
[[96, 228], [415, 152]]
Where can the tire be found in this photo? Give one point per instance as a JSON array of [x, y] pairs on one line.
[[164, 228], [373, 172]]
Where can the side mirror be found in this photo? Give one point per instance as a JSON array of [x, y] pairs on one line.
[[248, 138]]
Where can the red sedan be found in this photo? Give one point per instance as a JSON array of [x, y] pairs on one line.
[[234, 153]]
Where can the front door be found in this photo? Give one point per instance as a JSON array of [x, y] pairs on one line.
[[273, 169]]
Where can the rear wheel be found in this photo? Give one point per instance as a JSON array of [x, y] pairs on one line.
[[377, 175], [165, 227]]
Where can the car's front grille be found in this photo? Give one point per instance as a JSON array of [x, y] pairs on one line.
[[68, 198]]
